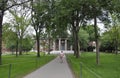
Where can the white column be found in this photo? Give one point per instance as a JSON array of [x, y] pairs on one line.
[[54, 46], [65, 44], [59, 43], [71, 47]]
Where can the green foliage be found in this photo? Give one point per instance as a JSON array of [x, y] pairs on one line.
[[38, 14], [83, 38], [57, 27], [27, 44], [110, 38], [9, 37], [106, 42], [90, 30]]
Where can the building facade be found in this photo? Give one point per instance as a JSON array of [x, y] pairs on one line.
[[61, 44], [55, 45]]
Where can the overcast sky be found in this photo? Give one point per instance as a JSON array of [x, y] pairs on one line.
[[8, 17]]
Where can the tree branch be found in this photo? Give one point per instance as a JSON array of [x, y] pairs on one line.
[[16, 4]]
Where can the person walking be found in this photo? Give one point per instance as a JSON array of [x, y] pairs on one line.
[[61, 56]]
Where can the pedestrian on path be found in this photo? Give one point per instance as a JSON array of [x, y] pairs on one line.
[[61, 55]]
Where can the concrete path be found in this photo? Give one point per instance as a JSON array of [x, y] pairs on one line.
[[53, 69]]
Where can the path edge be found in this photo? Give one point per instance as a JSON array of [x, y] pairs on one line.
[[70, 67]]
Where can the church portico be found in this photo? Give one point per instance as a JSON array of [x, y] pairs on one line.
[[60, 44], [55, 45]]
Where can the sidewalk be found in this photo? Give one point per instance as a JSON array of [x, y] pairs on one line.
[[53, 69]]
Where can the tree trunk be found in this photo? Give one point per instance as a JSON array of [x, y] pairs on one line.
[[77, 44], [76, 34], [116, 40], [0, 40], [17, 48], [38, 45], [1, 20], [75, 26], [74, 46], [97, 42], [74, 38], [49, 46], [116, 46], [20, 49]]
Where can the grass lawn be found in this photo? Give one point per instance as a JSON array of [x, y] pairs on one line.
[[22, 65], [109, 65]]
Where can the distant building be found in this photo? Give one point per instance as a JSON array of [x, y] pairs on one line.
[[61, 44], [55, 45], [4, 49], [93, 45]]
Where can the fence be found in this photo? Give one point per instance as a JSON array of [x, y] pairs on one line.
[[84, 71], [9, 70]]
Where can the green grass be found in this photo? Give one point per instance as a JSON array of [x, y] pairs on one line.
[[22, 65], [109, 65]]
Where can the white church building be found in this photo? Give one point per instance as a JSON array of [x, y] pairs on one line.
[[57, 45]]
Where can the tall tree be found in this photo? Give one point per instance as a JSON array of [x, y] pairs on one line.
[[49, 22], [74, 18], [21, 22], [38, 21], [5, 5], [93, 10]]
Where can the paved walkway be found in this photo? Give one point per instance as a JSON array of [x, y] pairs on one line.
[[53, 69]]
